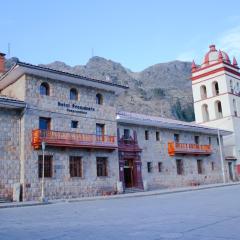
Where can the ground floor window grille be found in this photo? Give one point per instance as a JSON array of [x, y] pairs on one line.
[[47, 166], [179, 164], [159, 166], [75, 166], [200, 166], [101, 166]]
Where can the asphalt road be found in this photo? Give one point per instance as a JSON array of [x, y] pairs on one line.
[[211, 214]]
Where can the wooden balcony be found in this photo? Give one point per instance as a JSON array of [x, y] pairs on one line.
[[72, 140], [188, 148]]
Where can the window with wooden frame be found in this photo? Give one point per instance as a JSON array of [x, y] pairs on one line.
[[157, 136], [146, 135], [176, 137], [101, 166], [100, 131], [75, 166], [44, 89], [179, 164], [44, 123], [212, 166], [48, 168], [159, 166], [200, 166], [150, 167]]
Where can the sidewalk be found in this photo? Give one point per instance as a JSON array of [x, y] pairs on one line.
[[119, 196]]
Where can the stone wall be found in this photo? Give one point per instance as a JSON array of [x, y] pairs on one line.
[[61, 185], [9, 151], [157, 151]]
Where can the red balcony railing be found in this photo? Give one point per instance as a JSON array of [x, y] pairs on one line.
[[188, 148], [71, 139]]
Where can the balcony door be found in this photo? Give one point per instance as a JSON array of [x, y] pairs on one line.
[[100, 131]]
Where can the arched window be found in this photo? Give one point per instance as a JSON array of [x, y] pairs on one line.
[[218, 109], [73, 94], [99, 99], [205, 112], [203, 91], [215, 88], [44, 89], [231, 86], [235, 108]]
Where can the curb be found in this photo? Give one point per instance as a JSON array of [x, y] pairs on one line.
[[119, 196]]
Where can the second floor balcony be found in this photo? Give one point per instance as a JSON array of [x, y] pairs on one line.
[[72, 140], [175, 148]]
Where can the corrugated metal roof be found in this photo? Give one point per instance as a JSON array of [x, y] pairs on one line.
[[148, 120]]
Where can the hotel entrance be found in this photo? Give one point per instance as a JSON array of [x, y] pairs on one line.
[[128, 173]]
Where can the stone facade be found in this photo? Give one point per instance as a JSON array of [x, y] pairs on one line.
[[156, 152], [9, 151], [20, 157]]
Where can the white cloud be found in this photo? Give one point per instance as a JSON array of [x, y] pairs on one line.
[[229, 42]]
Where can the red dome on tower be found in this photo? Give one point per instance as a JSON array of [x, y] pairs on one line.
[[214, 56]]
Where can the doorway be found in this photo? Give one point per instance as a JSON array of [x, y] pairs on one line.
[[128, 173], [230, 169]]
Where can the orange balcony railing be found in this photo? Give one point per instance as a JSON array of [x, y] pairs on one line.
[[73, 140], [188, 148]]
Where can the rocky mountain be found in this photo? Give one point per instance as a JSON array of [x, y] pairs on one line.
[[163, 89]]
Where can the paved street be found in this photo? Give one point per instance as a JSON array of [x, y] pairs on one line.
[[205, 215]]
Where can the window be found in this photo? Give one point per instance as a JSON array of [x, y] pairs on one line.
[[100, 132], [149, 167], [75, 166], [159, 166], [101, 166], [218, 109], [212, 166], [146, 135], [73, 94], [44, 89], [179, 164], [99, 99], [231, 86], [205, 112], [157, 136], [203, 91], [235, 108], [209, 140], [47, 166], [74, 124], [199, 166], [196, 139], [176, 137], [217, 141], [126, 134], [215, 88], [44, 123]]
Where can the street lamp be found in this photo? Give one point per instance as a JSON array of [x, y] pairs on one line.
[[43, 170]]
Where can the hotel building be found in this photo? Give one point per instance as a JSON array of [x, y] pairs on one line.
[[90, 148]]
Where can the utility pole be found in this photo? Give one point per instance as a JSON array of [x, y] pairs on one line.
[[43, 171]]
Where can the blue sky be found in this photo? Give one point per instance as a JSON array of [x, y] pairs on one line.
[[136, 33]]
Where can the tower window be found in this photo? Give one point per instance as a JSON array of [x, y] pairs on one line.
[[215, 89], [218, 109], [203, 91], [231, 86], [205, 112], [235, 108]]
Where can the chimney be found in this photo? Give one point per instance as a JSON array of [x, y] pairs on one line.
[[2, 63]]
